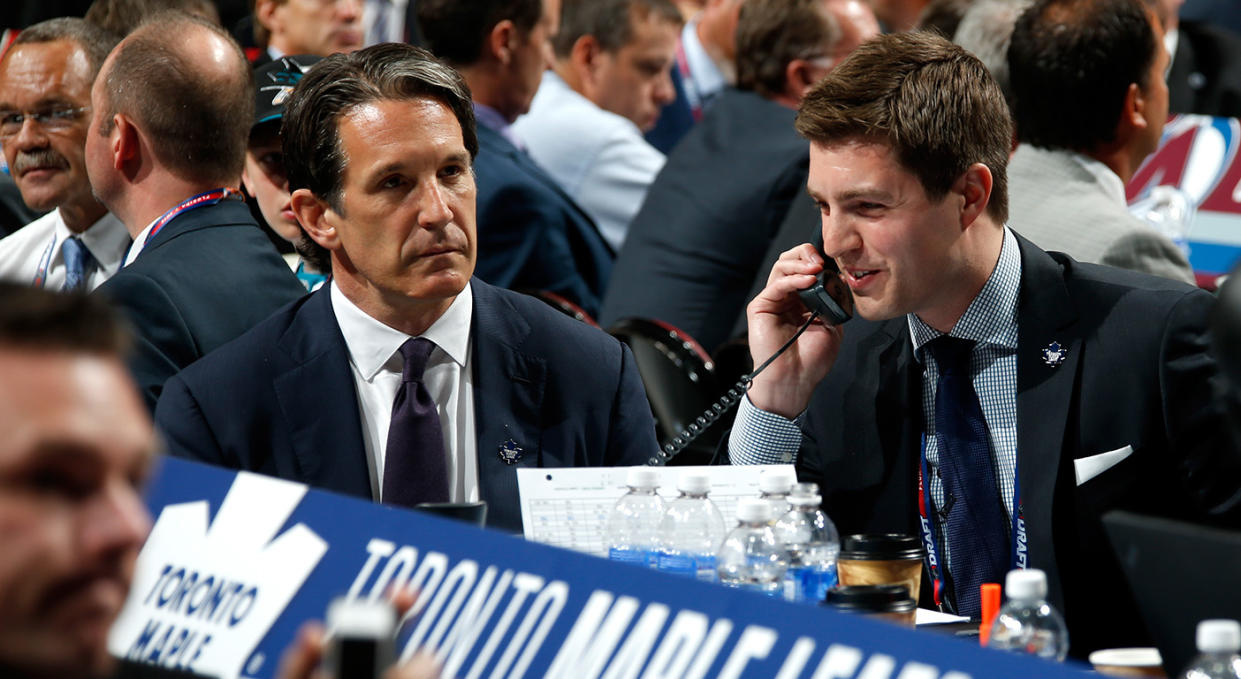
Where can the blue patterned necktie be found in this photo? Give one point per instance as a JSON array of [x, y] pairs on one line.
[[415, 468], [78, 261], [975, 528]]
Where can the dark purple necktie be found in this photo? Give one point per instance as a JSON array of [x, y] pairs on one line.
[[415, 469], [975, 526]]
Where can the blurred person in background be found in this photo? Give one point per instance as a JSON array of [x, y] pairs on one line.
[[586, 122]]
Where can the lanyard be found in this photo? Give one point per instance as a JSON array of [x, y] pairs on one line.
[[1020, 553], [687, 81], [206, 198], [40, 276]]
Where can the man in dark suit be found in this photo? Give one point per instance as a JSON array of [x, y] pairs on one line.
[[317, 393], [1205, 76], [171, 111], [172, 108], [531, 234], [1025, 393], [694, 247]]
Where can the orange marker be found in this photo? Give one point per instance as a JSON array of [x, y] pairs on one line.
[[990, 593]]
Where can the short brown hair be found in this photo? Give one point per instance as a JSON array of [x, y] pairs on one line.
[[95, 42], [932, 102], [35, 319], [772, 33], [610, 22], [310, 129], [198, 124]]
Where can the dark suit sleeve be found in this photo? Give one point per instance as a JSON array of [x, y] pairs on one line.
[[632, 440], [1201, 411], [161, 335], [186, 433], [524, 243]]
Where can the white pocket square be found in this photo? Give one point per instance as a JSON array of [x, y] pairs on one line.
[[1087, 468]]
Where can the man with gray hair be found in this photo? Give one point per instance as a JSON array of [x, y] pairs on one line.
[[45, 83], [605, 89], [172, 109], [405, 379]]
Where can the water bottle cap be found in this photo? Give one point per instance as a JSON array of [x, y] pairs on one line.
[[805, 489], [1026, 584], [752, 509], [642, 477], [776, 481], [1219, 636], [805, 500], [694, 482]]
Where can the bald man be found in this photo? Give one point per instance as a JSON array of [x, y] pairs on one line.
[[171, 113]]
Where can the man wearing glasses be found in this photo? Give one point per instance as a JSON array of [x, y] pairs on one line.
[[45, 83]]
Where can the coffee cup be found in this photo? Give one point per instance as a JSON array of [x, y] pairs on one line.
[[1128, 662], [883, 602], [881, 559]]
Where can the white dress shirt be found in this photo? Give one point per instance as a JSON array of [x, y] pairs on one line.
[[598, 157], [375, 361], [23, 252], [139, 243]]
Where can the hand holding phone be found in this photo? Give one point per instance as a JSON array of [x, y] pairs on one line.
[[829, 296]]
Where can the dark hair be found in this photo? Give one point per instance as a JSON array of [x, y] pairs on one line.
[[943, 16], [455, 30], [335, 86], [611, 22], [772, 33], [95, 42], [41, 320], [932, 102], [1071, 63], [198, 123], [121, 17]]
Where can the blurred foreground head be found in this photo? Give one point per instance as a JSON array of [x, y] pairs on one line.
[[77, 446]]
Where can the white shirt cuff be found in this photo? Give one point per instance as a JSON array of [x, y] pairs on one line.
[[760, 437]]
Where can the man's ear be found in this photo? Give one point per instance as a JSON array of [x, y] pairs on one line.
[[974, 187], [264, 13], [316, 218], [502, 41], [584, 58], [125, 143], [1133, 116], [799, 75]]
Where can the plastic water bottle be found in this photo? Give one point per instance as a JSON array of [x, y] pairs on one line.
[[634, 520], [1027, 623], [1218, 644], [1169, 211], [811, 545], [691, 530], [774, 487], [751, 557]]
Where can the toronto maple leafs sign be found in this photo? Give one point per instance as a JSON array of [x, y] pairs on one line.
[[237, 562]]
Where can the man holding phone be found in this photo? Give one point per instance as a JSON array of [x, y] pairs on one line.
[[1026, 393]]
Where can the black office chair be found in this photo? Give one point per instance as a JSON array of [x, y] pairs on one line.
[[563, 305], [680, 382]]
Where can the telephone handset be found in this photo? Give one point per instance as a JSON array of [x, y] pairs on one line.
[[829, 298], [829, 295]]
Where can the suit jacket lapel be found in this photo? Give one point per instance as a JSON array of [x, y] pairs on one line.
[[316, 395], [895, 399], [1045, 392], [508, 399]]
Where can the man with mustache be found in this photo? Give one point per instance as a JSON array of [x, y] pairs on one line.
[[405, 379], [45, 83]]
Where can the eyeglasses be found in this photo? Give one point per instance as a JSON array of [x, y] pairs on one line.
[[11, 122]]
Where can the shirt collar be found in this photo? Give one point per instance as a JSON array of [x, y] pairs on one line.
[[702, 69], [372, 344], [106, 239], [138, 244], [485, 115], [1108, 180], [992, 317]]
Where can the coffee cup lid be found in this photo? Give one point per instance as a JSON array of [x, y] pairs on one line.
[[881, 547], [871, 598]]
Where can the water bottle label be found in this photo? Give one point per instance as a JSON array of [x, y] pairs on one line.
[[678, 564], [813, 583], [633, 556], [706, 568]]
